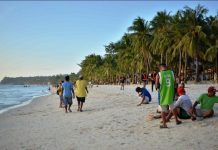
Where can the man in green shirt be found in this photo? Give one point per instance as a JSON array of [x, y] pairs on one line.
[[207, 102], [165, 81]]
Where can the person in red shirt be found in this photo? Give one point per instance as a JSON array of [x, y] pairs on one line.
[[153, 78], [144, 79]]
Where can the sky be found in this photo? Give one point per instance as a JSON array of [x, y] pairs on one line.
[[53, 37]]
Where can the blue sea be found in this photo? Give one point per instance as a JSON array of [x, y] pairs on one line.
[[13, 96]]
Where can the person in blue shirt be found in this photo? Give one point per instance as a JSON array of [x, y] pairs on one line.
[[145, 95], [68, 93]]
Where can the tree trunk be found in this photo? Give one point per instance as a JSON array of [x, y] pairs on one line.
[[185, 69], [161, 58], [180, 64], [196, 70], [166, 59], [216, 65], [147, 68]]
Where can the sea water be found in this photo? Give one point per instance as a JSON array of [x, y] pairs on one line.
[[12, 96]]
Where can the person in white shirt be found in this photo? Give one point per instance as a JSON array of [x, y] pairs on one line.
[[183, 106]]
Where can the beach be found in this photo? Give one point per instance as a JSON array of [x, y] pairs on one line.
[[110, 121]]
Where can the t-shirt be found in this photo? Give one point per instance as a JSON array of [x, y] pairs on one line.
[[207, 102], [80, 88], [153, 76], [146, 93], [166, 79], [184, 102], [67, 86], [144, 77]]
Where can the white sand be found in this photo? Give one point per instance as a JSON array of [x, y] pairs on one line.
[[111, 121]]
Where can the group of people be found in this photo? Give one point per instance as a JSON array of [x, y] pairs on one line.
[[182, 107], [66, 93]]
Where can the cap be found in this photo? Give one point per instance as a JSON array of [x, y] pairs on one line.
[[180, 91], [211, 89]]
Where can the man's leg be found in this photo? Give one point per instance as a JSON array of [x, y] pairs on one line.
[[70, 103], [174, 111], [60, 105], [65, 104], [81, 106], [163, 116], [208, 114], [152, 85], [78, 105], [169, 116]]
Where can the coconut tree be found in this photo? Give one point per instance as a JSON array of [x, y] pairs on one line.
[[194, 38], [212, 52], [141, 37], [161, 27]]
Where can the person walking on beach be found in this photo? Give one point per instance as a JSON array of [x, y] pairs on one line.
[[207, 102], [122, 81], [68, 93], [165, 83], [60, 93], [144, 78], [153, 78], [81, 92], [144, 94]]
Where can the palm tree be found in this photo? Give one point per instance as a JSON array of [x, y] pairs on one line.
[[141, 39], [194, 38], [161, 27], [212, 51]]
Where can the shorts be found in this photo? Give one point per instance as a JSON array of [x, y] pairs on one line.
[[147, 99], [165, 108], [68, 101], [201, 112], [183, 114], [61, 98], [81, 99]]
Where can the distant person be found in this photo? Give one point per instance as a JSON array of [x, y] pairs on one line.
[[165, 83], [153, 78], [122, 81], [144, 94], [81, 92], [144, 79], [215, 77], [206, 102], [68, 93], [60, 93], [90, 84]]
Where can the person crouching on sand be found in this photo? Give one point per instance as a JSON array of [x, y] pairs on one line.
[[182, 107], [81, 92], [144, 94], [68, 93], [207, 102]]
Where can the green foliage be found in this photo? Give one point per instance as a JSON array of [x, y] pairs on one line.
[[41, 80], [180, 40]]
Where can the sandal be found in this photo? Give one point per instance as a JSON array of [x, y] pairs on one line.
[[178, 122], [162, 126]]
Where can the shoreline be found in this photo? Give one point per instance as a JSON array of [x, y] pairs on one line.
[[27, 102]]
